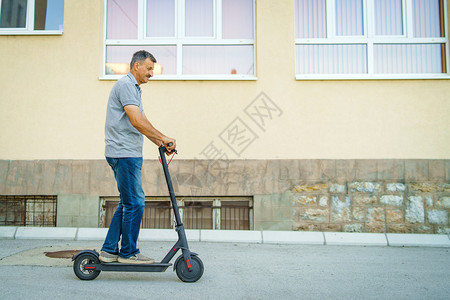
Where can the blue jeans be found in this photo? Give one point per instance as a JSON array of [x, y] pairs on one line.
[[126, 221]]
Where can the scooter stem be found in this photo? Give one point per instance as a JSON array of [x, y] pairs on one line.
[[162, 154]]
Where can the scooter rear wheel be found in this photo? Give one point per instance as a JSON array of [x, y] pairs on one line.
[[80, 271], [196, 272]]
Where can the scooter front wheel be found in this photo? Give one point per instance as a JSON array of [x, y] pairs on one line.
[[79, 266], [183, 273]]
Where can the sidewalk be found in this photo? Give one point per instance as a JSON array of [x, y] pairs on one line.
[[236, 236], [234, 271]]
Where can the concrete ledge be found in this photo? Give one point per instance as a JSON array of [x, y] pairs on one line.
[[169, 235], [293, 237], [46, 233], [92, 234], [7, 233], [230, 236], [418, 240], [355, 238], [233, 236]]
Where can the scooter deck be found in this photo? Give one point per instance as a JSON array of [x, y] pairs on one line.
[[121, 267]]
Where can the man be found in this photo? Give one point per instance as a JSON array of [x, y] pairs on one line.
[[125, 126]]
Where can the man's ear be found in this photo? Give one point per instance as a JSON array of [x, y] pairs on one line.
[[135, 66]]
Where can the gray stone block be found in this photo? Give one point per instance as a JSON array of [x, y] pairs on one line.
[[437, 217], [395, 187], [337, 188], [365, 187], [392, 200], [340, 209], [345, 170], [353, 227], [415, 210], [436, 170], [366, 170], [444, 202], [390, 169], [4, 169], [416, 170]]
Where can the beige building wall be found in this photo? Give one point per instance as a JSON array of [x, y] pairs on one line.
[[53, 103], [343, 155]]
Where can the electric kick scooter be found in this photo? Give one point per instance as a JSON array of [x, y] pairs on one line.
[[188, 265]]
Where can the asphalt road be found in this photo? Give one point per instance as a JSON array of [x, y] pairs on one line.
[[235, 271]]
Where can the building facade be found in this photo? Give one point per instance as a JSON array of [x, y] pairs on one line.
[[289, 115]]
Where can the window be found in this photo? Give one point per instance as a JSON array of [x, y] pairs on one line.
[[196, 212], [28, 210], [190, 39], [365, 39], [31, 17]]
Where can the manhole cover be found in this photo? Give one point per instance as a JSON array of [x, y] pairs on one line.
[[62, 254]]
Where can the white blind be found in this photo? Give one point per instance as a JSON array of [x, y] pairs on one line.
[[160, 18], [427, 20], [369, 52], [331, 59], [310, 19], [199, 18], [388, 17], [349, 18], [407, 58]]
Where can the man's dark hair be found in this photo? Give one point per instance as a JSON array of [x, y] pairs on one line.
[[140, 56]]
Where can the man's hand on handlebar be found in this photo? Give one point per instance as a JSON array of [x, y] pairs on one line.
[[170, 145]]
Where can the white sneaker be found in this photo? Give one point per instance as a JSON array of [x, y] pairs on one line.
[[136, 259], [106, 257]]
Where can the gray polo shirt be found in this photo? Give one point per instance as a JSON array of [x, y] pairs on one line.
[[121, 138]]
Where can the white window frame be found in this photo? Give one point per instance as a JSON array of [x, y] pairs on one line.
[[370, 39], [29, 24], [179, 40]]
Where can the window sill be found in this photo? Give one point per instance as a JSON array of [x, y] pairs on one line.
[[190, 77], [35, 32], [370, 77]]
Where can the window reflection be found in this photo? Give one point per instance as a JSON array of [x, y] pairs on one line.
[[48, 14], [237, 19], [186, 43], [218, 60], [122, 19], [118, 59], [13, 14]]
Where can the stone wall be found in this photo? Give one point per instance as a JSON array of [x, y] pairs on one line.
[[371, 206], [370, 195]]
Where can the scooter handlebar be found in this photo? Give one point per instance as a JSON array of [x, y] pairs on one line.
[[163, 149]]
